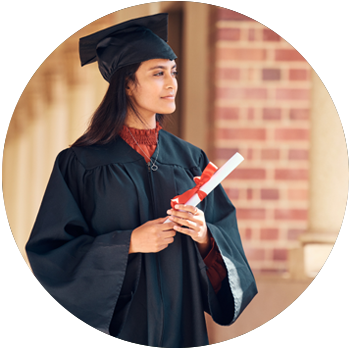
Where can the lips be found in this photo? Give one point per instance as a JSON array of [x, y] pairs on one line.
[[170, 97]]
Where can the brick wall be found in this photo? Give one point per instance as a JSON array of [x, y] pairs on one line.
[[260, 108]]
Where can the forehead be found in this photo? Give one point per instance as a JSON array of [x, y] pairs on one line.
[[157, 63]]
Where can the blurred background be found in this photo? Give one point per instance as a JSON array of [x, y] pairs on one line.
[[241, 88]]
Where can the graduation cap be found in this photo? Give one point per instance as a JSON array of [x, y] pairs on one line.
[[130, 42]]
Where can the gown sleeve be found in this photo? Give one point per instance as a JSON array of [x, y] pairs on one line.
[[216, 268], [238, 288], [82, 270]]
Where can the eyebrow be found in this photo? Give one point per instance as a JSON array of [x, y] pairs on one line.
[[162, 67]]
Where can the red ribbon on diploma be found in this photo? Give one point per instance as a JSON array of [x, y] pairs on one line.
[[200, 180]]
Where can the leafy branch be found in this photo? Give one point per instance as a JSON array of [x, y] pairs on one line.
[[295, 319]]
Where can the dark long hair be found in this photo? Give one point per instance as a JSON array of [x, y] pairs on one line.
[[108, 119]]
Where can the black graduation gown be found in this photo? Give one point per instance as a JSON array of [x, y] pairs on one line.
[[78, 248]]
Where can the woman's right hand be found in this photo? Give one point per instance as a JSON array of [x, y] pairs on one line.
[[153, 236]]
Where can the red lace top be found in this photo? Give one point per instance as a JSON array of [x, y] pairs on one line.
[[147, 141]]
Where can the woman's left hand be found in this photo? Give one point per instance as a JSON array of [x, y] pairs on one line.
[[192, 223]]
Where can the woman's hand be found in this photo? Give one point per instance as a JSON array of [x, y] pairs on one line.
[[193, 218], [153, 236]]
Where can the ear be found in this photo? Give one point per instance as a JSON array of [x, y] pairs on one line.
[[128, 88]]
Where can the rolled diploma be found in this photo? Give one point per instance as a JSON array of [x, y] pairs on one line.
[[217, 178]]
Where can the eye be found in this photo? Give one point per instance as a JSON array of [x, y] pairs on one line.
[[175, 73], [159, 73]]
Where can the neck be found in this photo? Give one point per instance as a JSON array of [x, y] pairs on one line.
[[133, 121]]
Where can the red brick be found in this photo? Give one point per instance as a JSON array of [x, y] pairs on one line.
[[271, 271], [242, 133], [254, 254], [271, 74], [269, 194], [272, 113], [247, 234], [299, 114], [250, 213], [232, 34], [291, 174], [249, 193], [293, 93], [292, 134], [288, 55], [225, 153], [298, 154], [270, 35], [242, 93], [298, 194], [232, 193], [228, 73], [269, 234], [227, 113], [250, 113], [225, 14], [248, 173], [280, 254], [251, 34], [291, 214], [249, 154], [293, 234], [241, 54], [298, 74], [270, 154]]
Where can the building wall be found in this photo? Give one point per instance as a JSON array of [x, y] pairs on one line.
[[261, 109]]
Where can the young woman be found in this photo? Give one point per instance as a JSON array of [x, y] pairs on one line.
[[100, 244]]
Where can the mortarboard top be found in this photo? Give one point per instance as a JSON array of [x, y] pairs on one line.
[[130, 42]]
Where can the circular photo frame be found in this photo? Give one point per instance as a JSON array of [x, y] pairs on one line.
[[241, 88]]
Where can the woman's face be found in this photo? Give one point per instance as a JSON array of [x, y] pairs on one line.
[[155, 88]]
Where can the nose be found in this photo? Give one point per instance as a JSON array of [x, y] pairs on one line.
[[171, 82]]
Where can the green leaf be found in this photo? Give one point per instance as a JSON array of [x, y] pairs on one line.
[[299, 301], [291, 317], [305, 330]]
